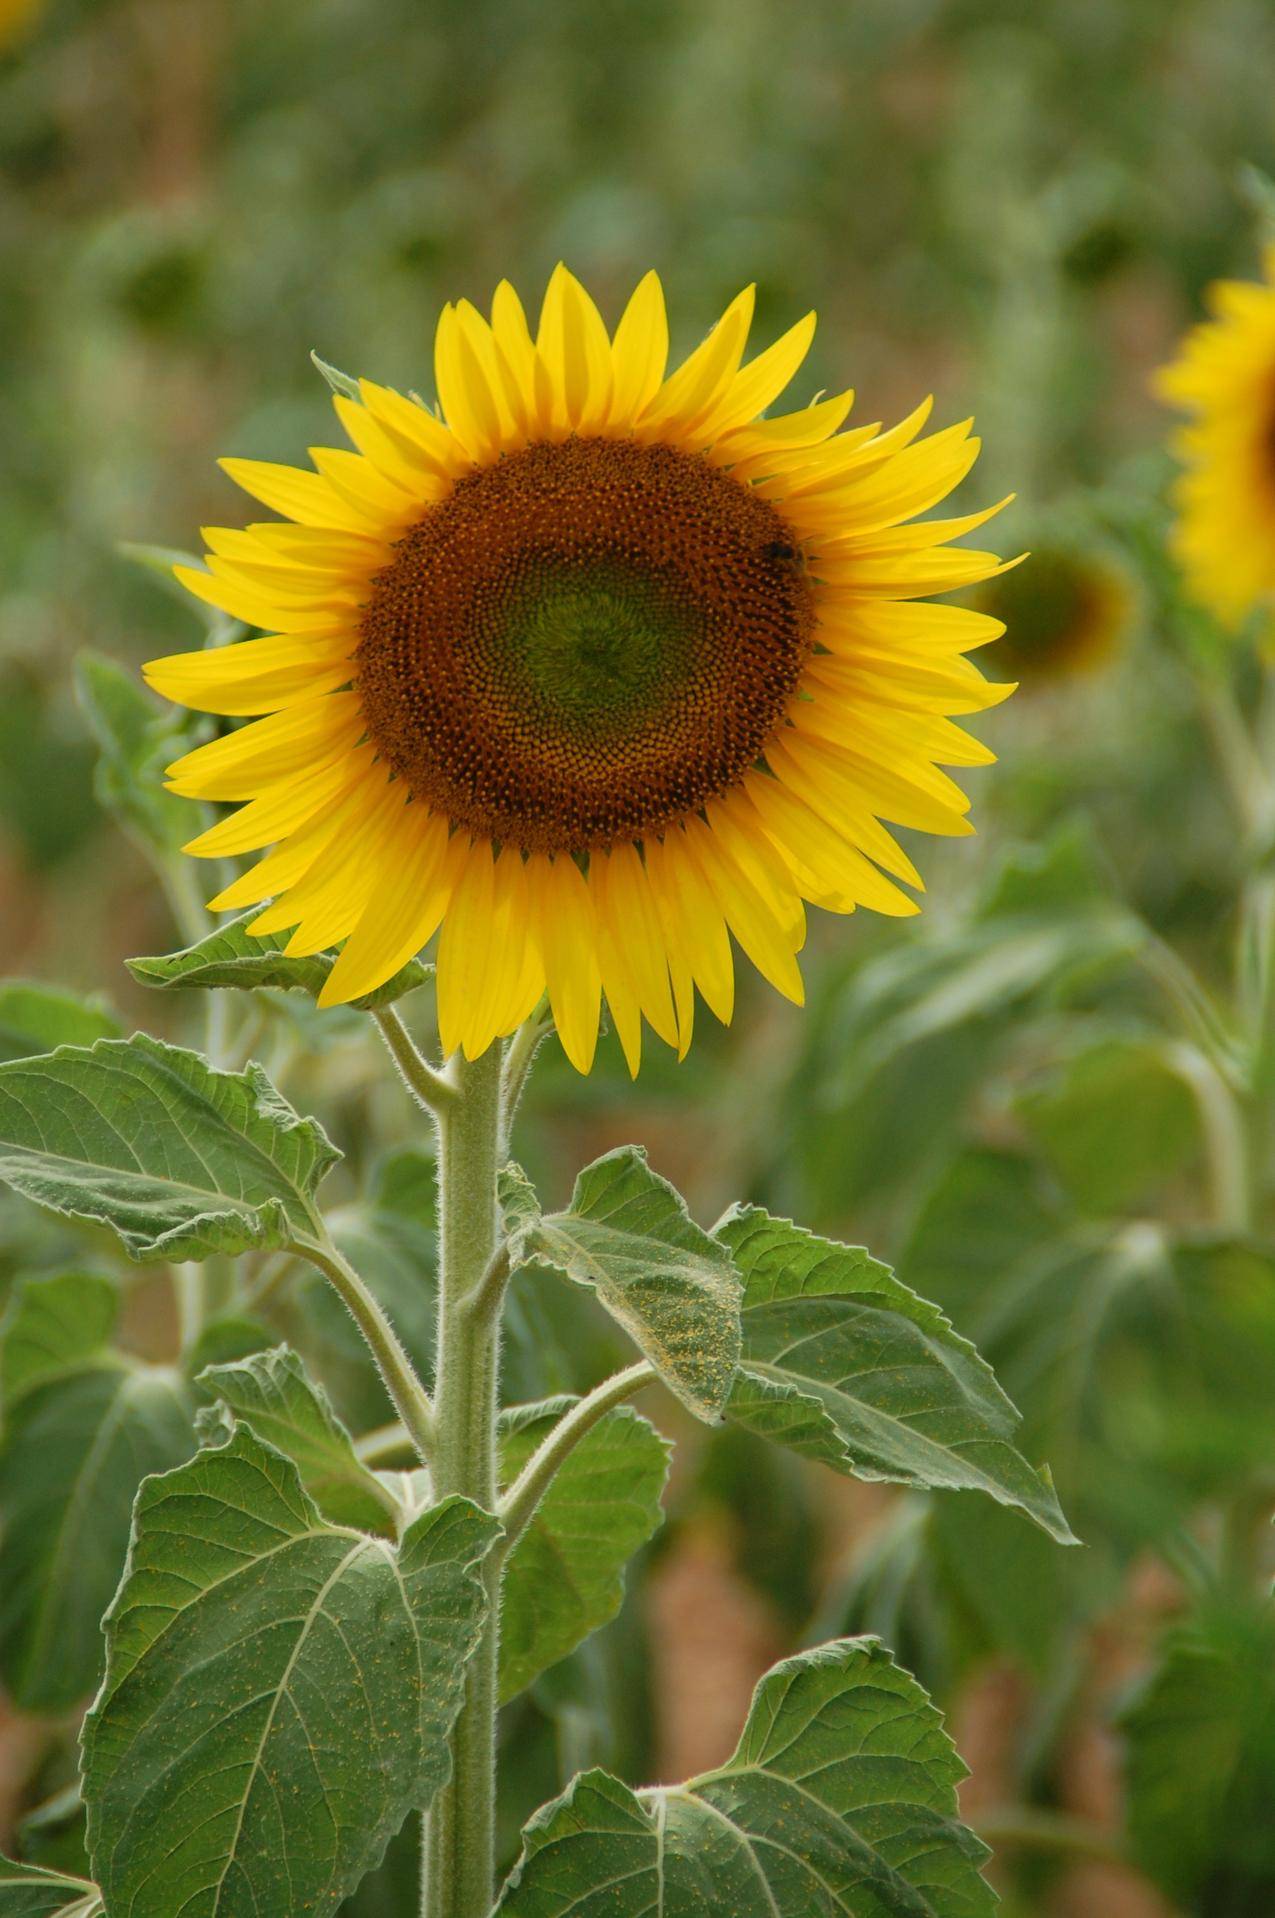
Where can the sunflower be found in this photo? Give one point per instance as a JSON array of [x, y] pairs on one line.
[[1224, 376], [1065, 615], [586, 671]]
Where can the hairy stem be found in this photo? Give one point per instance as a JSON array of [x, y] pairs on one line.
[[460, 1854], [518, 1507], [409, 1397], [519, 1055], [434, 1090]]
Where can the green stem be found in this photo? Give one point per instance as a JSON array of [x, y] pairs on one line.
[[1028, 1829], [459, 1877], [1226, 1145], [435, 1091], [410, 1399], [518, 1507], [188, 1292], [519, 1054]]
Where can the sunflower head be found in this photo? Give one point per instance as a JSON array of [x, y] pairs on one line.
[[586, 670], [1224, 378], [1066, 612]]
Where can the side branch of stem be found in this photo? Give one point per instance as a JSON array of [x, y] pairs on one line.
[[410, 1399], [518, 1507], [433, 1089]]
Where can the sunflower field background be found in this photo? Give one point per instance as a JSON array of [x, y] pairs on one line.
[[1050, 1100]]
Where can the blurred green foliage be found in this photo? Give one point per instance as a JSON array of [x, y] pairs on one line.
[[1016, 1098]]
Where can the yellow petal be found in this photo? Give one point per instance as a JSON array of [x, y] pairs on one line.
[[324, 906], [383, 505], [702, 378], [489, 972], [884, 630], [639, 352], [912, 575], [466, 956], [736, 825], [394, 459], [621, 996], [829, 788], [285, 589], [813, 846], [404, 911], [280, 747], [504, 384], [466, 398], [281, 810], [567, 938], [282, 868], [762, 439], [518, 984], [257, 607], [759, 383], [573, 346], [306, 497], [745, 912], [431, 442], [692, 919], [252, 676], [618, 882]]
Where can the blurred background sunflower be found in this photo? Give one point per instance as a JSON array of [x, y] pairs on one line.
[[1047, 1097]]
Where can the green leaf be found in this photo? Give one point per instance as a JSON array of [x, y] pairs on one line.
[[225, 1339], [82, 1426], [842, 1363], [27, 1891], [52, 1833], [137, 738], [628, 1237], [840, 1799], [1142, 1359], [565, 1576], [229, 956], [35, 1018], [180, 1161], [339, 382], [1201, 1762], [1114, 1121], [274, 1397], [279, 1691], [915, 1030], [394, 1888]]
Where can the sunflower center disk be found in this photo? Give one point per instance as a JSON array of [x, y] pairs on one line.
[[583, 643]]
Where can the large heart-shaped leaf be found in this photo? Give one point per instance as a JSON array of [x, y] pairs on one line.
[[839, 1802], [229, 956], [628, 1237], [83, 1424], [272, 1393], [565, 1577], [180, 1161], [279, 1691], [844, 1364]]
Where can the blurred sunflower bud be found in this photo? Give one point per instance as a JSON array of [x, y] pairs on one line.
[[1068, 610]]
